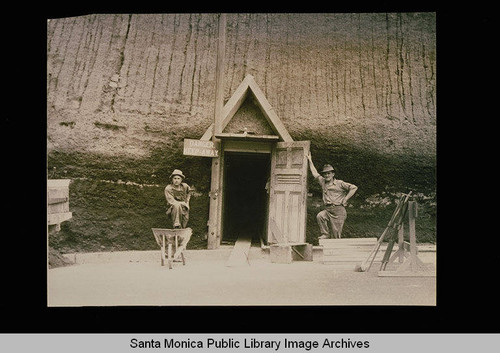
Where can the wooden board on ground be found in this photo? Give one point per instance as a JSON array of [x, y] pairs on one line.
[[346, 253], [396, 273], [327, 243], [302, 252], [239, 255]]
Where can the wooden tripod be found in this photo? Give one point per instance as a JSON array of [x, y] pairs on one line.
[[395, 222], [412, 265]]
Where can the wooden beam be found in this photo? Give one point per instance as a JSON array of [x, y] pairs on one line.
[[229, 109], [406, 274], [247, 137], [277, 233], [247, 146], [55, 200], [208, 133], [213, 238], [240, 253], [412, 210], [57, 218], [219, 74], [268, 111], [234, 103]]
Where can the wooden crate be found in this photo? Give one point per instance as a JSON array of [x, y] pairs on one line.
[[58, 201], [288, 252], [280, 253]]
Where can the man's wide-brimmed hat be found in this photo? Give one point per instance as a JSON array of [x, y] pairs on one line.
[[177, 172], [327, 168]]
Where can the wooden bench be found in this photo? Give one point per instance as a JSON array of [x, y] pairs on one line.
[[168, 240]]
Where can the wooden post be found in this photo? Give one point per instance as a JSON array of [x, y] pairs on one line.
[[401, 254], [213, 238], [219, 75], [163, 250], [412, 213]]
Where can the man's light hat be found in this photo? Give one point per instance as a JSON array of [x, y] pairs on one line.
[[327, 168], [177, 172]]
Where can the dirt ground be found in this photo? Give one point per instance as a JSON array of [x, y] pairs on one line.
[[137, 278]]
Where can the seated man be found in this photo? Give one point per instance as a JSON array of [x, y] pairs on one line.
[[178, 194]]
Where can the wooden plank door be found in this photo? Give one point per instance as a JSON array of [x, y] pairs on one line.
[[288, 192]]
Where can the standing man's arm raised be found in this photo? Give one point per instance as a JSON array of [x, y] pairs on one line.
[[313, 169]]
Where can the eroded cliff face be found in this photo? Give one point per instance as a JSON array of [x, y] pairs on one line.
[[123, 91], [123, 84]]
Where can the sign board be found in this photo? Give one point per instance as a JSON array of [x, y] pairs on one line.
[[201, 148]]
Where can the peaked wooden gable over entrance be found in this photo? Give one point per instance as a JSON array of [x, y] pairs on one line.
[[247, 86], [287, 184]]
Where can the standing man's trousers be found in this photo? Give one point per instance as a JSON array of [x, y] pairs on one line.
[[335, 216]]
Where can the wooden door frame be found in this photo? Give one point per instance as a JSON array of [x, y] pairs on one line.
[[263, 150]]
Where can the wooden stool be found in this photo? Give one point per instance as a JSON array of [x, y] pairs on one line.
[[167, 239]]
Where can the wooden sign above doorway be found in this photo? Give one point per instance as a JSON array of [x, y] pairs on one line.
[[201, 148]]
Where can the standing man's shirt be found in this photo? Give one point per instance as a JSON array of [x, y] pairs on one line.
[[334, 192]]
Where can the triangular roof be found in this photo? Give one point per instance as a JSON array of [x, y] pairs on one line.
[[234, 103]]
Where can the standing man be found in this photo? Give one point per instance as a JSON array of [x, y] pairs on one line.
[[336, 193], [178, 194]]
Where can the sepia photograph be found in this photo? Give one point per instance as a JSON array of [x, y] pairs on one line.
[[241, 160]]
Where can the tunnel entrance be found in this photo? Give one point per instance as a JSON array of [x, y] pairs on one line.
[[246, 201]]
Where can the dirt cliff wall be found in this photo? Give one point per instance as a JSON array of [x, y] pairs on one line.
[[124, 90], [128, 80]]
